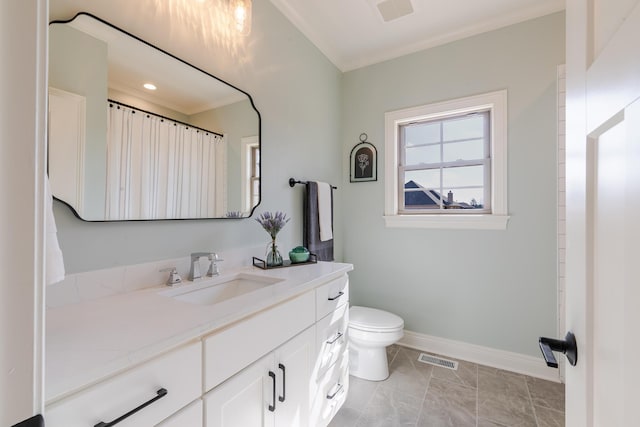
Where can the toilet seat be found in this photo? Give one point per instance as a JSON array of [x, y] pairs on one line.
[[373, 320]]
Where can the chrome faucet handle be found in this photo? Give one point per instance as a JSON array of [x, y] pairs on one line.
[[213, 266], [174, 277], [194, 272]]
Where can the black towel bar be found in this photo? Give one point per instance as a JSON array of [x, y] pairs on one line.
[[293, 182]]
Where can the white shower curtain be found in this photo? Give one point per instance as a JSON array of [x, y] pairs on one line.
[[158, 169]]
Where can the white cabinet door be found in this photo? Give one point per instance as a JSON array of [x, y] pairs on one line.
[[294, 363], [274, 391], [243, 399]]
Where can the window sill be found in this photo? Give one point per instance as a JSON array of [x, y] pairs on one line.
[[457, 222]]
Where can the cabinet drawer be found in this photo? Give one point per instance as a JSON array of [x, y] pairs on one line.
[[236, 347], [331, 296], [179, 372], [191, 416], [330, 394], [331, 338]]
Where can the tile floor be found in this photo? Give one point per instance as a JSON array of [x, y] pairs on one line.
[[422, 395]]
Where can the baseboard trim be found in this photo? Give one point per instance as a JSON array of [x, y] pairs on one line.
[[509, 361]]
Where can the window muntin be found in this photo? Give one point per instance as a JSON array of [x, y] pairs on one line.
[[445, 164]]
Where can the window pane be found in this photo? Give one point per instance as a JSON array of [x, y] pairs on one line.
[[423, 154], [421, 133], [467, 198], [463, 176], [467, 150], [429, 178], [471, 126], [420, 200]]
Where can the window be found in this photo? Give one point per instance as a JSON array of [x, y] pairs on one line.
[[254, 177], [250, 173], [445, 164]]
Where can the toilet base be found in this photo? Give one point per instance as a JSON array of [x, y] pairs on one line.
[[368, 363]]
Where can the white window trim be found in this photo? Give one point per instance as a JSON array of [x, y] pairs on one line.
[[497, 220], [247, 143]]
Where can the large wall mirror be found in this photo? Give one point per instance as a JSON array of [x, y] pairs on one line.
[[136, 133]]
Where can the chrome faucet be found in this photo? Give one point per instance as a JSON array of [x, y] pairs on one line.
[[174, 277], [213, 266], [194, 272]]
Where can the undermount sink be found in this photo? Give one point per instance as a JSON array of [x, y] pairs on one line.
[[220, 289]]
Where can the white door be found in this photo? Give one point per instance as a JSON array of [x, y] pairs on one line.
[[67, 117], [603, 198]]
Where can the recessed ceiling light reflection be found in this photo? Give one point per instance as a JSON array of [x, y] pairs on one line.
[[150, 86]]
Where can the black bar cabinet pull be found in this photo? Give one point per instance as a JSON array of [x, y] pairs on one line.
[[273, 378], [284, 380], [160, 394], [567, 346], [338, 336], [337, 296], [330, 396]]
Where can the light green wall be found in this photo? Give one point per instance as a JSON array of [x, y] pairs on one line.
[[491, 288], [78, 64], [295, 88]]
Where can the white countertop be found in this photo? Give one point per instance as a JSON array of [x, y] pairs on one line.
[[89, 341]]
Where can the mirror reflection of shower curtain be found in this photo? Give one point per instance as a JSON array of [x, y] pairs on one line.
[[160, 169]]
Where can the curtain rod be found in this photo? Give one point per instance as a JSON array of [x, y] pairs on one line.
[[112, 101], [293, 182]]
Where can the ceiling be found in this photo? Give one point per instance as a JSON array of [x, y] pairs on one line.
[[354, 34]]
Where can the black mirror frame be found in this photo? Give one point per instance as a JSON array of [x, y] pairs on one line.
[[66, 21]]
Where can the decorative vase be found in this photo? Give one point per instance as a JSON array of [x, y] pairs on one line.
[[273, 255]]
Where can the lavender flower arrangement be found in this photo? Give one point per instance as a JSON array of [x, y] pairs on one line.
[[273, 222]]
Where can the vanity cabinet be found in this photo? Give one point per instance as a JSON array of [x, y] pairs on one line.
[[330, 380], [179, 372], [274, 391], [284, 365], [301, 383]]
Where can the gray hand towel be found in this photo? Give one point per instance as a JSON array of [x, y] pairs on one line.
[[311, 231]]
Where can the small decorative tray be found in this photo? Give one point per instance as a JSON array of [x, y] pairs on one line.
[[260, 263]]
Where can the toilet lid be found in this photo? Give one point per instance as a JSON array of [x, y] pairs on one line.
[[366, 318]]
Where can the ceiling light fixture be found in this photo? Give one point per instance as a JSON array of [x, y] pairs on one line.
[[241, 16], [149, 86]]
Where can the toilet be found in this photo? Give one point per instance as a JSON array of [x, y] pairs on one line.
[[371, 331]]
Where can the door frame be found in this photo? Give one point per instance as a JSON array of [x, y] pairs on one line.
[[22, 187]]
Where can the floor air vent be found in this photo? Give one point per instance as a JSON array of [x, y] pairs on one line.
[[438, 361]]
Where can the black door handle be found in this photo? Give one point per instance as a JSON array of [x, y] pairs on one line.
[[273, 398], [160, 394], [567, 346], [284, 382]]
